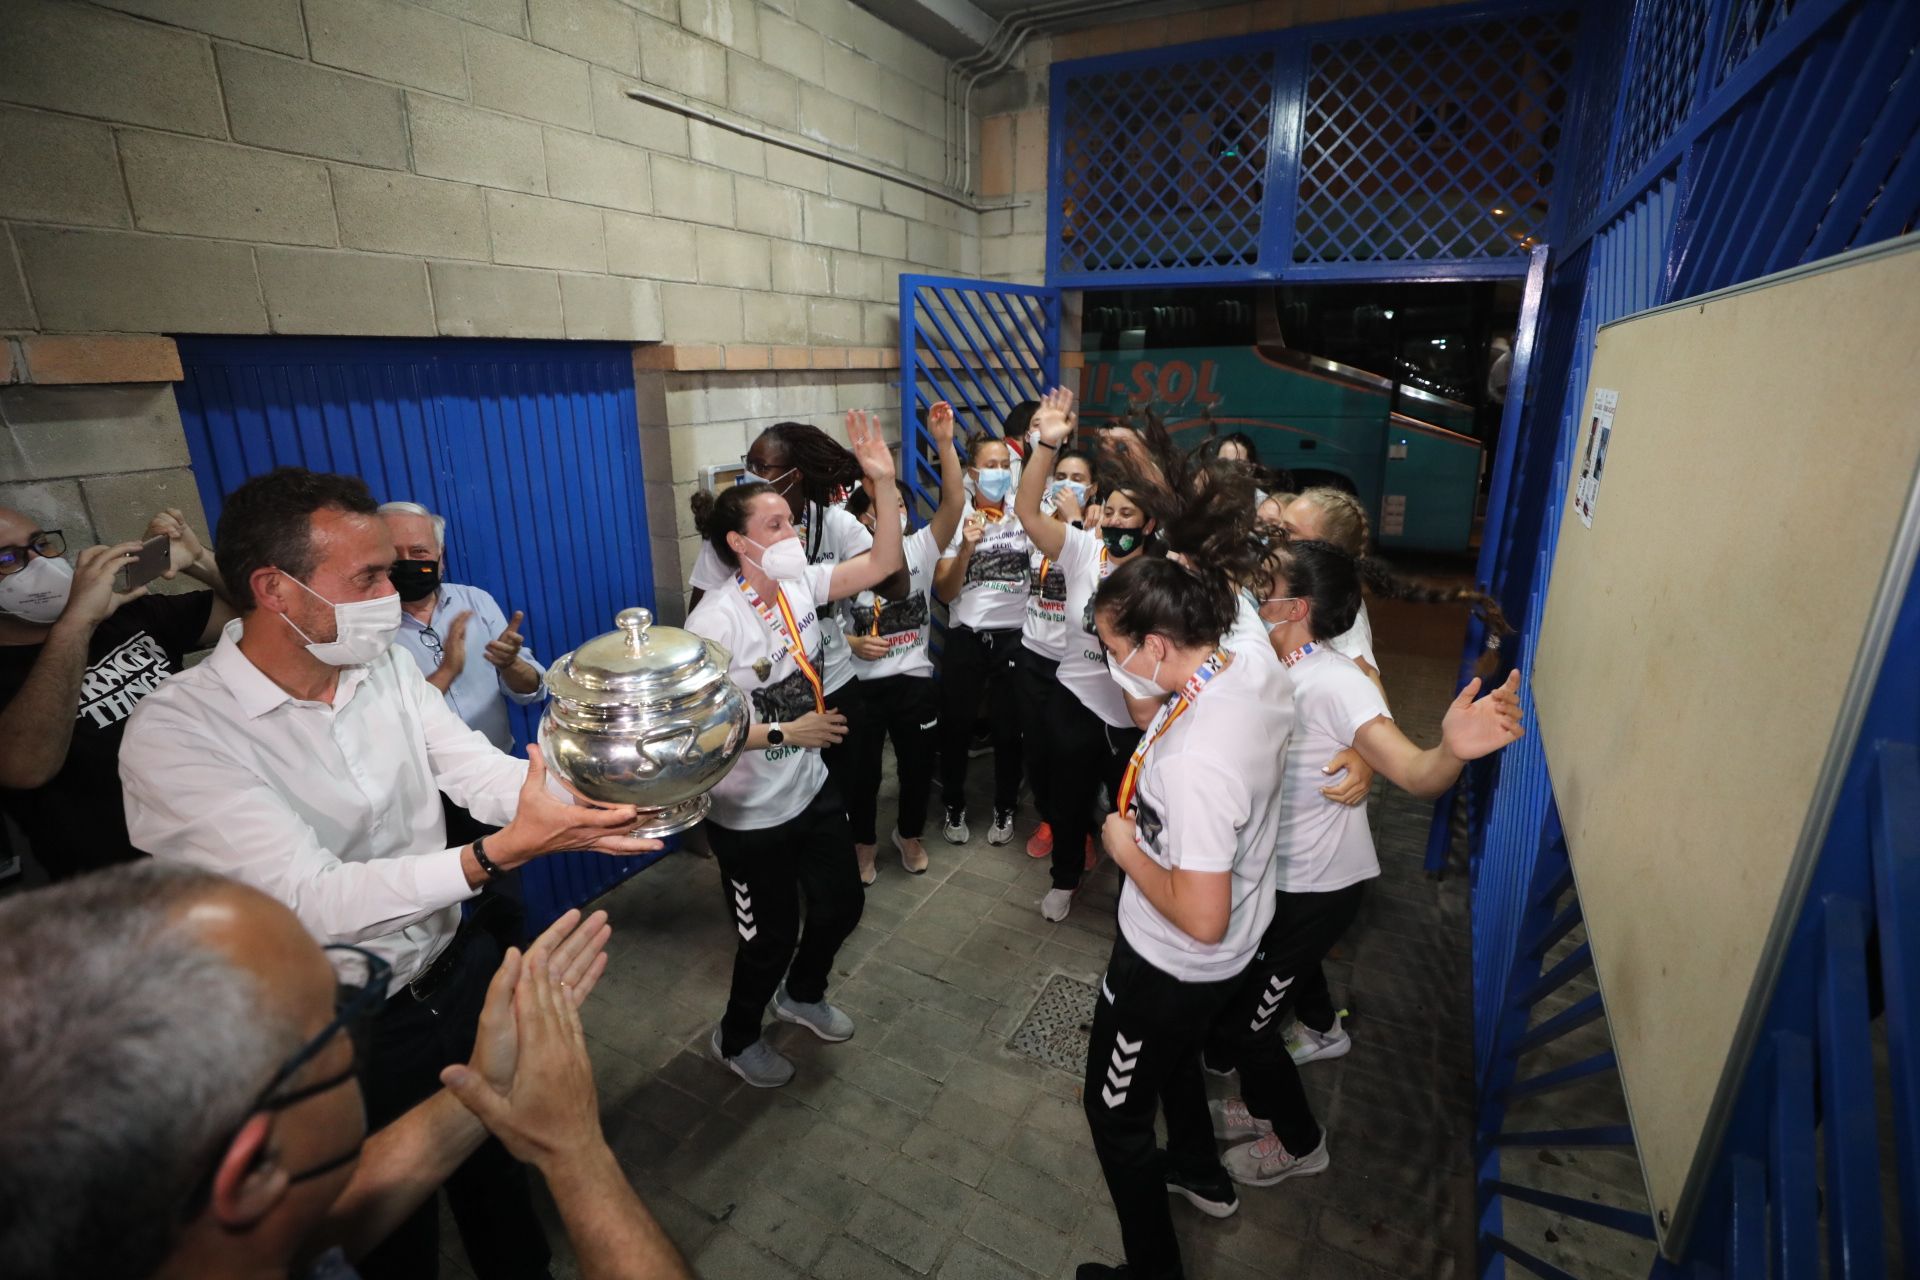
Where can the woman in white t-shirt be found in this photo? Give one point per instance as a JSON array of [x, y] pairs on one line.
[[1325, 854], [814, 473], [1090, 730], [778, 827], [982, 579], [1043, 635], [1198, 817], [892, 662]]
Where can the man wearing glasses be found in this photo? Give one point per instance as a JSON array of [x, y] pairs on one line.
[[76, 656], [307, 757], [179, 1095]]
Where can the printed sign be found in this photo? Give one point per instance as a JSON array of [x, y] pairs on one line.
[[1593, 458]]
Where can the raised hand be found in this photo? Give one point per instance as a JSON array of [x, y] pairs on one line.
[[504, 649], [1473, 729], [183, 544], [940, 423], [1055, 419], [870, 447], [92, 600]]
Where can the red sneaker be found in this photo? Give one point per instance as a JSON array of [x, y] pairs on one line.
[[1040, 843], [1093, 853]]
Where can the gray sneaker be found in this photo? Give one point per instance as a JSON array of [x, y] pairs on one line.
[[819, 1017], [759, 1064]]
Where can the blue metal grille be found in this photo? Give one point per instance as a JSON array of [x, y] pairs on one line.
[[1164, 166], [1583, 158], [1667, 43], [1433, 144], [981, 347], [529, 450], [1749, 23]]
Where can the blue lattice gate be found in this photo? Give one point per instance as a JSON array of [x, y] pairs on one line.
[[1417, 148], [981, 346]]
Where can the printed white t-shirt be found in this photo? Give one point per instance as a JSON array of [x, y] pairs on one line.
[[767, 786], [1083, 669], [1325, 846], [1357, 640], [993, 596], [902, 623], [1045, 629], [830, 537], [1208, 803]]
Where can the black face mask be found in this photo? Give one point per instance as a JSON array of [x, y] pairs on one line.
[[415, 579], [1122, 542]]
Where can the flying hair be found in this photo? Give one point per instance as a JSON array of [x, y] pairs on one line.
[[1190, 604]]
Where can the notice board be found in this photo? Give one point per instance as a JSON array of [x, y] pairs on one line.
[[1738, 528]]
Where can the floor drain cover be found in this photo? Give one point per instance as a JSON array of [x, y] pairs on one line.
[[1059, 1025]]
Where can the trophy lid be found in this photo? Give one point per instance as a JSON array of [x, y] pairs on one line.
[[639, 661]]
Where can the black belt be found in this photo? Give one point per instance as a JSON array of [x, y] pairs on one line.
[[429, 981]]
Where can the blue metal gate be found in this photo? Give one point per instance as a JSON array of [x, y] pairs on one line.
[[531, 451], [1397, 148], [980, 346]]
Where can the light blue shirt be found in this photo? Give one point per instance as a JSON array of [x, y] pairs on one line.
[[478, 694]]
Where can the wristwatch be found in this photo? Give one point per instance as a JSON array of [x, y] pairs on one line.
[[776, 736], [487, 866]]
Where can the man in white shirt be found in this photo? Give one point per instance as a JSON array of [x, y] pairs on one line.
[[305, 757]]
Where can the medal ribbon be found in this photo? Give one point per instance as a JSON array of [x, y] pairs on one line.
[[786, 628], [1163, 720], [1299, 653]]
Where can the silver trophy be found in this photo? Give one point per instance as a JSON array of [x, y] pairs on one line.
[[645, 716]]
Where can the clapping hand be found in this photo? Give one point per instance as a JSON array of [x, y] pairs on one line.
[[1473, 729], [870, 447], [572, 948], [504, 649]]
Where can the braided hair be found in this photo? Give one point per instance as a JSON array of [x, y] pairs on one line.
[[1344, 524], [827, 468]]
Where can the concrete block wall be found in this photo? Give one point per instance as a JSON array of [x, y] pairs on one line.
[[393, 167]]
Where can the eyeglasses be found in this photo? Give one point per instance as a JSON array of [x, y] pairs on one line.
[[431, 638], [50, 543], [361, 979]]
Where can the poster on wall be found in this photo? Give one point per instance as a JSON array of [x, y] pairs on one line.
[[1593, 458]]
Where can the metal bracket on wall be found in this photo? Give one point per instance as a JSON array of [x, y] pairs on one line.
[[818, 153]]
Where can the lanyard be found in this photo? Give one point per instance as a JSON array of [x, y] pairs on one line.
[[786, 628], [1163, 720], [1299, 653]]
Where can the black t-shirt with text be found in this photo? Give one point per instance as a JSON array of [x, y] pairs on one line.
[[77, 822]]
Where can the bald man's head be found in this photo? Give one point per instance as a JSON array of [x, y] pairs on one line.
[[142, 1010]]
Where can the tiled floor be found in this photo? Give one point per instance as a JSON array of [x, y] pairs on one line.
[[924, 1147]]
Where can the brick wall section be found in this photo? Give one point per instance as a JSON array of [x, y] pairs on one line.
[[465, 167]]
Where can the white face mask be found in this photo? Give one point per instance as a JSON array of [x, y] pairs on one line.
[[1136, 686], [785, 560], [38, 593], [362, 629], [1056, 487], [1275, 626]]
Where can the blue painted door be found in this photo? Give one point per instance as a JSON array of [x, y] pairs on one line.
[[530, 449]]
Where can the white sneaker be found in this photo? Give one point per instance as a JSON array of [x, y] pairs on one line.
[[1056, 904], [955, 829], [1265, 1162], [827, 1021], [1001, 832], [1232, 1122], [1307, 1045]]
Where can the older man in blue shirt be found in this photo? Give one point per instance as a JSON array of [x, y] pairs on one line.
[[465, 646]]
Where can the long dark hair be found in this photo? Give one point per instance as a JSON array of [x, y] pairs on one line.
[[827, 467], [1191, 605], [1206, 521], [1347, 528], [1326, 577], [716, 516]]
